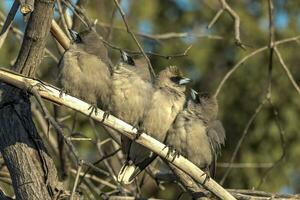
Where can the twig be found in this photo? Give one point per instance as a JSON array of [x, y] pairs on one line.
[[59, 35], [255, 194], [253, 53], [64, 41], [19, 34], [78, 12], [234, 16], [59, 129], [244, 165], [112, 21], [76, 21], [172, 55], [8, 22], [148, 53], [133, 36], [282, 142], [63, 19], [269, 91], [53, 94], [130, 198], [44, 127], [216, 17], [286, 69], [271, 47], [96, 179], [103, 158], [76, 181], [238, 146], [164, 36]]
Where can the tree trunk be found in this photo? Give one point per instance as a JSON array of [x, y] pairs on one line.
[[32, 170]]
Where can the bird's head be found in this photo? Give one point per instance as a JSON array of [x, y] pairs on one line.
[[173, 78], [204, 104]]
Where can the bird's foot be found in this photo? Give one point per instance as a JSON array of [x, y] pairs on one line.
[[93, 108], [36, 87], [207, 177], [136, 126], [62, 91], [172, 152], [105, 115], [138, 133]]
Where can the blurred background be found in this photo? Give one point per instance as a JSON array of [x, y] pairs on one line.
[[268, 158]]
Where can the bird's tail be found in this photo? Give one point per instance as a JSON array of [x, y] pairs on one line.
[[127, 173], [129, 170]]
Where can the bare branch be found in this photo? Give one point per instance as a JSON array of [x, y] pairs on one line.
[[234, 16], [8, 22], [63, 19], [239, 144], [282, 142], [253, 53], [76, 181], [286, 69], [59, 35], [164, 36], [244, 165]]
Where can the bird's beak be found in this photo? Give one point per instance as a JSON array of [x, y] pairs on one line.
[[124, 56], [194, 94], [184, 81], [75, 36]]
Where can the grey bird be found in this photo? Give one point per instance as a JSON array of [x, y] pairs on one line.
[[84, 70], [197, 134], [167, 101], [132, 89]]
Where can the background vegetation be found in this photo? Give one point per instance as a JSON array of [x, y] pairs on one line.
[[212, 55]]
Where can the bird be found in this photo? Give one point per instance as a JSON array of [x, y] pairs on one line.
[[197, 134], [166, 102], [132, 87], [85, 70]]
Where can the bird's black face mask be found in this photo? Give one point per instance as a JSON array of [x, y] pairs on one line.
[[127, 59], [180, 80], [75, 36]]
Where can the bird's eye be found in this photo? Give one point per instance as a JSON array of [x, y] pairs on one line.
[[176, 79]]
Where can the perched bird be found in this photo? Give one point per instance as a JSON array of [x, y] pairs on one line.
[[196, 132], [167, 101], [132, 89], [84, 70]]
